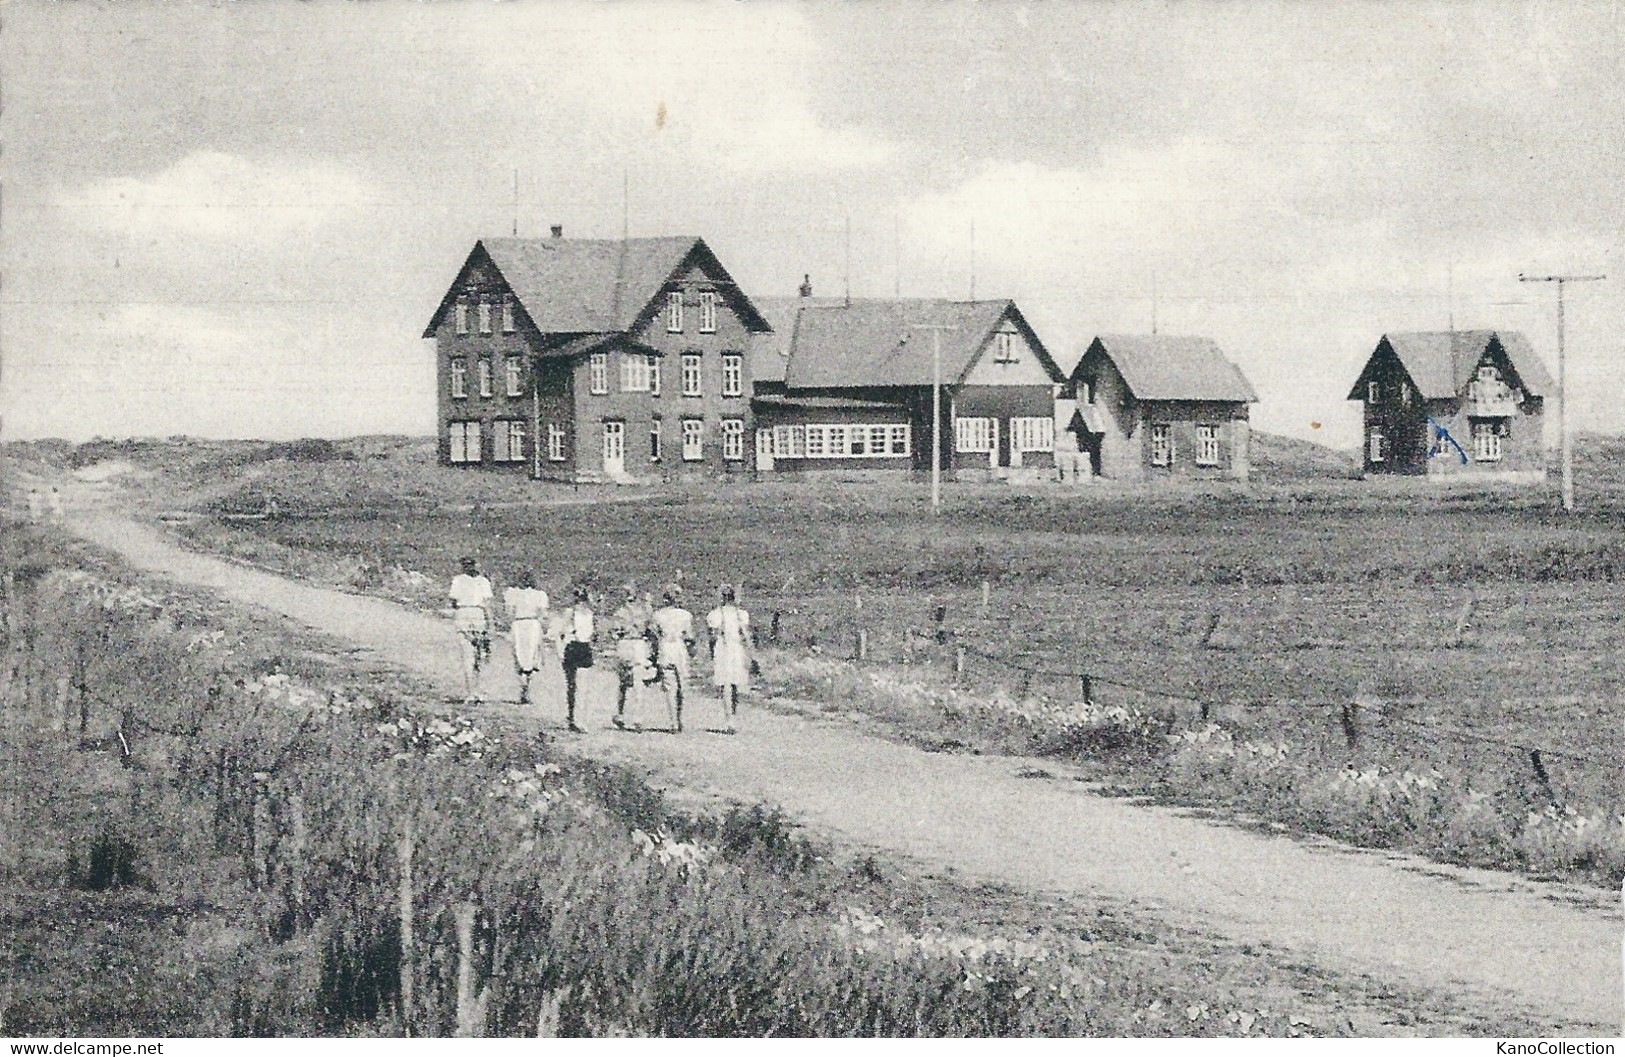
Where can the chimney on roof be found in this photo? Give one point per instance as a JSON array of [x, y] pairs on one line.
[[558, 231], [806, 286]]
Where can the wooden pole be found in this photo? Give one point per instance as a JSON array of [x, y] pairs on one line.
[[403, 851], [470, 1008]]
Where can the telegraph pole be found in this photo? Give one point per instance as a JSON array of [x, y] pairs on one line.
[[936, 330], [1562, 390]]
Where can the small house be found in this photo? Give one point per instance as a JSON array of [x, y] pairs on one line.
[[1147, 406], [1453, 402], [847, 385]]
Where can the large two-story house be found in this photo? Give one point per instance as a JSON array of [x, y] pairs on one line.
[[1449, 402], [594, 360]]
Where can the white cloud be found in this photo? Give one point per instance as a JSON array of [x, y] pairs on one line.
[[221, 196]]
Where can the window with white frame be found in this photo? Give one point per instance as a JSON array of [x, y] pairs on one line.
[[654, 440], [598, 372], [693, 439], [654, 374], [1487, 435], [482, 370], [634, 373], [465, 442], [555, 442], [508, 314], [508, 441], [708, 312], [1162, 444], [1373, 392], [733, 374], [485, 317], [789, 442], [462, 318], [1086, 390], [814, 441], [1207, 445], [975, 434], [693, 383], [674, 312], [1004, 347], [1032, 433], [459, 377], [733, 439], [513, 375], [1376, 445]]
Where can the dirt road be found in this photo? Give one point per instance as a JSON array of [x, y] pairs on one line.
[[1480, 934]]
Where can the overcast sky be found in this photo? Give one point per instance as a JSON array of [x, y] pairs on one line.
[[236, 220]]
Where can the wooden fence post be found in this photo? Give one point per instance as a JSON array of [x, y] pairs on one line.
[[1086, 688], [941, 617], [1351, 724], [1026, 683], [403, 851], [987, 596], [298, 841], [863, 644], [773, 631], [1541, 775], [959, 663], [470, 1001]]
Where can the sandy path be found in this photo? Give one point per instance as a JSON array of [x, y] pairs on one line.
[[1475, 933]]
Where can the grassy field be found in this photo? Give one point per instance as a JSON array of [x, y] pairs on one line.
[[228, 819], [1455, 629]]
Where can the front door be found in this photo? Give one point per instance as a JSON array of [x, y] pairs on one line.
[[615, 448]]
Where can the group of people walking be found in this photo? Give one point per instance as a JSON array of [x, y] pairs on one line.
[[652, 646]]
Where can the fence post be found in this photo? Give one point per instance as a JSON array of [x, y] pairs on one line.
[[297, 840], [773, 630], [470, 1004], [1351, 724], [987, 596], [863, 644], [941, 616], [1541, 775], [1087, 689], [403, 851], [959, 664], [1026, 683]]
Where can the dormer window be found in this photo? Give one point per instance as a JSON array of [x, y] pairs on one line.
[[674, 312], [1373, 392], [1004, 347]]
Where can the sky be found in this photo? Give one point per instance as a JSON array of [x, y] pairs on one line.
[[234, 220]]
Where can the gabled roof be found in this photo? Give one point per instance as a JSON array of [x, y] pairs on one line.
[[1442, 362], [833, 344], [578, 286], [1172, 367]]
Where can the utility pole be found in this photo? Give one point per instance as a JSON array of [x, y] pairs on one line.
[[516, 201], [936, 330], [1562, 389], [1153, 302]]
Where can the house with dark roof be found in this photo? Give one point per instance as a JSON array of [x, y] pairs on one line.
[[1142, 406], [1449, 402], [594, 360], [847, 385]]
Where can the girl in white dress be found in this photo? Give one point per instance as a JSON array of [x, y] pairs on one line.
[[527, 612], [730, 652]]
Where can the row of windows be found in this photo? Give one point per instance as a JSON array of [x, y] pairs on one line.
[[708, 312], [508, 441], [1487, 435], [892, 440], [641, 374], [1163, 451], [513, 371], [483, 311], [1029, 433]]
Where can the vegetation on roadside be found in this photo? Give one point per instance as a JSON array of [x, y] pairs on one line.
[[258, 843]]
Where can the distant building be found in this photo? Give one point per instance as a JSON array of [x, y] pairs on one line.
[[1454, 402], [594, 360], [1148, 406], [847, 386]]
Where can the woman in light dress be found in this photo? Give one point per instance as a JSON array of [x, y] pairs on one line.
[[674, 642], [730, 653], [470, 595], [527, 611]]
